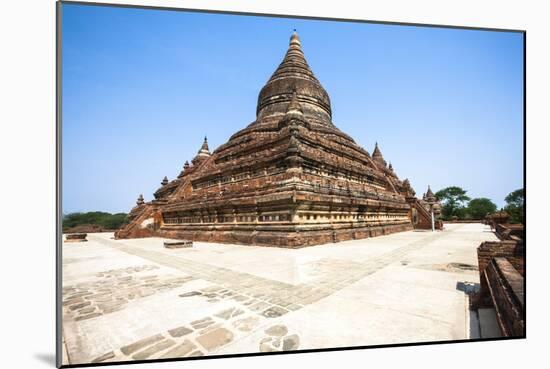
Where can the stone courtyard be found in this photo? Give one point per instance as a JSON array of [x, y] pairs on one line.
[[133, 299]]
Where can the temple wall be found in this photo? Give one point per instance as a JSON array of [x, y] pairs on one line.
[[287, 222], [291, 178], [288, 238]]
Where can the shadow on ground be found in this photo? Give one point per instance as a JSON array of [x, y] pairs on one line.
[[468, 288]]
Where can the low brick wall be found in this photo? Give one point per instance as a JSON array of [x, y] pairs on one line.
[[509, 231], [505, 286], [512, 250], [502, 272], [76, 237]]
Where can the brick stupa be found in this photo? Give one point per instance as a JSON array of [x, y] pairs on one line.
[[289, 179]]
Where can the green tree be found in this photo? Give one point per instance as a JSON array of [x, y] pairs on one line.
[[99, 218], [452, 200], [480, 207], [114, 221], [515, 206]]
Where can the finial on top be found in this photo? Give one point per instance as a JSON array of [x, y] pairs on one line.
[[184, 170], [430, 195], [429, 190], [294, 39], [140, 200], [377, 154], [204, 150]]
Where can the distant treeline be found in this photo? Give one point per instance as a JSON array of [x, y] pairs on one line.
[[95, 218], [457, 205]]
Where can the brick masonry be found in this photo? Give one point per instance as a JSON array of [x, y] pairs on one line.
[[502, 273], [507, 293]]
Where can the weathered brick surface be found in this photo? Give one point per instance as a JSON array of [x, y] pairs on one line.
[[505, 285], [500, 217], [510, 231], [76, 237], [513, 251], [502, 270]]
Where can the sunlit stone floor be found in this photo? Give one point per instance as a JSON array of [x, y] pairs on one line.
[[135, 300]]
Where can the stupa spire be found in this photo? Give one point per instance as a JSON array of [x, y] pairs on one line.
[[185, 169], [203, 154], [376, 151], [204, 150], [295, 43], [294, 75], [377, 155], [140, 200], [429, 193]]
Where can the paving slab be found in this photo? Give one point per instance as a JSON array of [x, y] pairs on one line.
[[223, 299]]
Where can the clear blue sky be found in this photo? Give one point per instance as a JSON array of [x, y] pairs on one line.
[[141, 88]]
